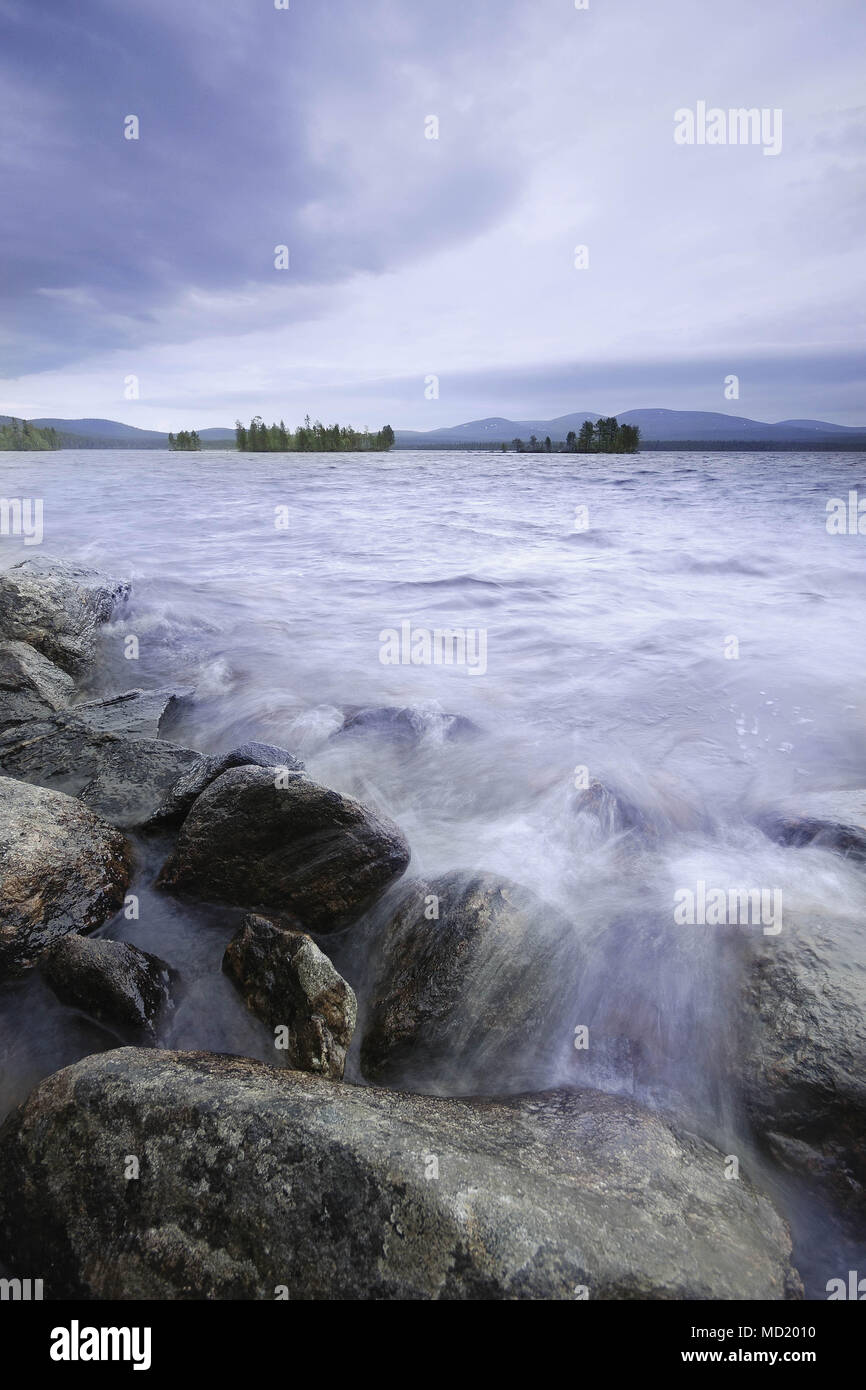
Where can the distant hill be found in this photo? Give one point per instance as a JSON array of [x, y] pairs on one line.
[[112, 434], [657, 425]]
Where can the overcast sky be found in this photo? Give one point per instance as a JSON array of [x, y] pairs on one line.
[[413, 257]]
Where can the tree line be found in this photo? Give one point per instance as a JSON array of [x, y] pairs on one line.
[[606, 436], [20, 434], [310, 437], [184, 439]]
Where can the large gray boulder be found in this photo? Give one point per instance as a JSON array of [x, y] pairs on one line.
[[831, 820], [58, 608], [289, 983], [76, 747], [270, 841], [802, 1027], [31, 686], [113, 981], [177, 804], [62, 869], [256, 1182], [133, 777], [477, 992]]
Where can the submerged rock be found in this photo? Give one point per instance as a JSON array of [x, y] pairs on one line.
[[62, 870], [294, 847], [258, 1182], [288, 982], [406, 724], [57, 607], [113, 981], [803, 1064], [614, 813], [193, 782], [472, 993], [832, 820], [30, 685], [74, 747]]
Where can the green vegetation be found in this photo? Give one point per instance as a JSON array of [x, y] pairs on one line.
[[186, 439], [309, 437], [20, 434], [605, 437]]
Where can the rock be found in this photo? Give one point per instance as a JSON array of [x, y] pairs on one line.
[[134, 776], [113, 981], [62, 870], [191, 785], [287, 981], [479, 993], [803, 1067], [406, 725], [57, 607], [30, 685], [614, 813], [297, 848], [257, 1181], [833, 820], [70, 749]]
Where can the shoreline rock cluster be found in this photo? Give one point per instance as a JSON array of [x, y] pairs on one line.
[[254, 1177]]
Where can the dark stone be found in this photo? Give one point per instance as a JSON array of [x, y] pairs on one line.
[[58, 608], [134, 776], [62, 870], [113, 981], [287, 981], [188, 787], [462, 1000], [831, 820], [257, 1181], [407, 724], [31, 686], [297, 848]]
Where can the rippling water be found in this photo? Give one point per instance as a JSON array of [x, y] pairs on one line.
[[608, 648]]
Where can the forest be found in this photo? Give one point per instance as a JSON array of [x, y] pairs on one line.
[[310, 437], [184, 439], [20, 434], [606, 436]]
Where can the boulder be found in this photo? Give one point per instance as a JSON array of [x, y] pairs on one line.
[[30, 685], [70, 749], [134, 776], [62, 869], [832, 820], [113, 981], [288, 982], [406, 724], [257, 1182], [803, 1066], [188, 787], [478, 992], [58, 608], [263, 840]]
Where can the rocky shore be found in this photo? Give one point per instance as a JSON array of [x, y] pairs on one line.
[[147, 1173]]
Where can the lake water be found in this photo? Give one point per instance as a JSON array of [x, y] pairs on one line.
[[680, 626]]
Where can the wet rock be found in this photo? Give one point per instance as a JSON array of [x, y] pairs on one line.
[[803, 1066], [58, 608], [256, 1179], [113, 981], [613, 813], [68, 750], [62, 870], [408, 724], [31, 686], [832, 820], [188, 787], [133, 778], [477, 993], [287, 981], [259, 839]]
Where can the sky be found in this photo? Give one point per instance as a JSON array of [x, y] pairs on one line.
[[429, 280]]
